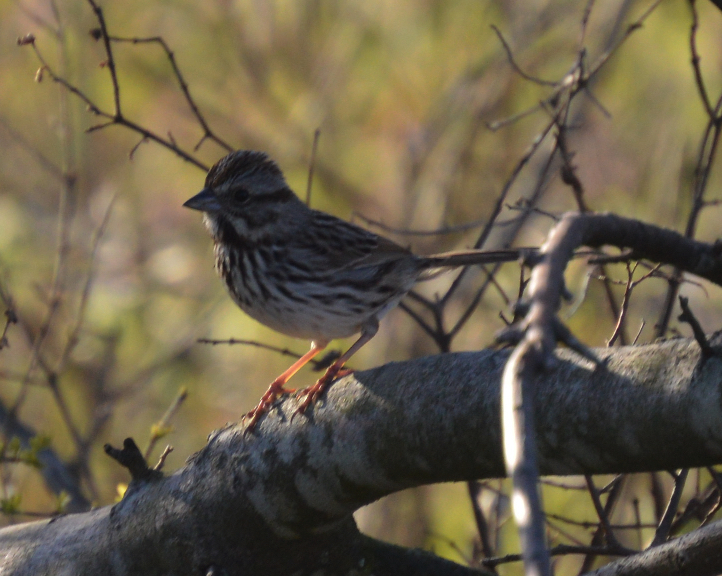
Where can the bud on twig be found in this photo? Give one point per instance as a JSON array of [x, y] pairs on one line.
[[27, 39]]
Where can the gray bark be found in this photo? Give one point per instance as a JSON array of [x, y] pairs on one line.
[[698, 553], [279, 500]]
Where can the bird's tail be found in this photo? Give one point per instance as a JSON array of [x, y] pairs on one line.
[[471, 257]]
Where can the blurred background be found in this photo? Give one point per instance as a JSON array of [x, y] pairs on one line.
[[112, 281]]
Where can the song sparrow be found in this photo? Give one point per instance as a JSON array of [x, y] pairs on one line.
[[302, 272]]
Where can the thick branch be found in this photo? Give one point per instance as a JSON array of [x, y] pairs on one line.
[[698, 553], [280, 499]]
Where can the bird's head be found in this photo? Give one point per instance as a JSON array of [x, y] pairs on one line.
[[247, 190]]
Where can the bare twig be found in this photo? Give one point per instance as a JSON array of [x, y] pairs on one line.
[[110, 62], [501, 201], [631, 28], [586, 524], [699, 80], [11, 316], [312, 165], [66, 213], [208, 133], [602, 513], [425, 326], [665, 525], [688, 316], [577, 79], [162, 427], [482, 527], [630, 285], [700, 507], [705, 160], [517, 68], [436, 232], [74, 334], [568, 170], [320, 364], [116, 117], [561, 550], [41, 159], [161, 460]]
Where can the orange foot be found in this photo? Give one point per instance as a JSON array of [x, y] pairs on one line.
[[312, 393], [274, 392]]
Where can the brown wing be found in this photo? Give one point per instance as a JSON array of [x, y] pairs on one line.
[[329, 243]]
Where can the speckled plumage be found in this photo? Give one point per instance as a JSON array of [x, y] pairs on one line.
[[300, 271]]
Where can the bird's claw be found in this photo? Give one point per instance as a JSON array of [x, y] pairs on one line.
[[274, 392], [308, 396]]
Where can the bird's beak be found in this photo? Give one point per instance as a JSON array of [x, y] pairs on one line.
[[205, 201]]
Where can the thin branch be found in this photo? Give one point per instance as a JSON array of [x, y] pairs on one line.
[[631, 28], [421, 322], [317, 364], [501, 201], [568, 170], [114, 119], [630, 285], [208, 133], [665, 525], [11, 316], [312, 165], [585, 22], [161, 460], [466, 315], [162, 427], [701, 507], [57, 475], [436, 232], [705, 160], [586, 524], [688, 316], [110, 62], [74, 335], [552, 526], [576, 80], [482, 527], [561, 550], [602, 513], [517, 68], [41, 159], [699, 80]]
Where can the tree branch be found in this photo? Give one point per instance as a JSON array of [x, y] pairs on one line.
[[293, 484]]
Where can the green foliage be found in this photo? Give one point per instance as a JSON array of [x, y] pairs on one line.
[[61, 502], [11, 505], [12, 451]]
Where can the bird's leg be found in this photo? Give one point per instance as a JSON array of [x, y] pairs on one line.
[[312, 393], [276, 389]]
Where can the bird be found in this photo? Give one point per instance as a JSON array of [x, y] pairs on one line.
[[303, 272]]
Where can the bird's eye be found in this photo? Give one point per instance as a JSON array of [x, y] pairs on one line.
[[240, 195]]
